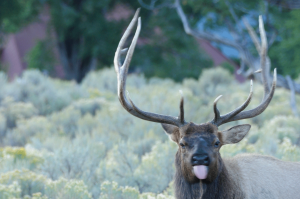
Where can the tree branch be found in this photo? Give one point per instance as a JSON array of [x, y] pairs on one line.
[[242, 67], [293, 97], [235, 35], [288, 4], [152, 5], [253, 35], [246, 57], [264, 59], [234, 16], [200, 35]]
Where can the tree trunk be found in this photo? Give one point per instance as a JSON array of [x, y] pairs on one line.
[[75, 66]]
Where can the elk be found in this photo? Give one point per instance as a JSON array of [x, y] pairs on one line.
[[200, 170]]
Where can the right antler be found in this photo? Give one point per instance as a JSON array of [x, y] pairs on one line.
[[122, 70], [239, 114]]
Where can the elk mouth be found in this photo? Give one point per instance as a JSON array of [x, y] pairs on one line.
[[200, 162], [200, 171]]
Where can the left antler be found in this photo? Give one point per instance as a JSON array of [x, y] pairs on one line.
[[122, 70]]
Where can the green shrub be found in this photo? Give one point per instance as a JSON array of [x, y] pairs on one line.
[[77, 141], [29, 181], [67, 189], [47, 95], [39, 127], [13, 158], [66, 121], [14, 111], [41, 57], [10, 191], [113, 190]]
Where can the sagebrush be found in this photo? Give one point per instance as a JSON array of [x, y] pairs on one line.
[[64, 140]]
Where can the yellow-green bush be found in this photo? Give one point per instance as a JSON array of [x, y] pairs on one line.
[[77, 141], [12, 190], [113, 190], [14, 111]]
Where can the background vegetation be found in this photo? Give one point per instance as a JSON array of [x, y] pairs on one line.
[[64, 140], [87, 37]]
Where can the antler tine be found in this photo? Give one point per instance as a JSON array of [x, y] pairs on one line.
[[122, 70], [123, 40], [260, 108], [219, 120], [216, 110], [181, 114], [239, 114]]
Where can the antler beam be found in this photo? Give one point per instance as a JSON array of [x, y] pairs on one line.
[[122, 70]]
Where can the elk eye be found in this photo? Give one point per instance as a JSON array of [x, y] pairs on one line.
[[182, 145], [217, 144]]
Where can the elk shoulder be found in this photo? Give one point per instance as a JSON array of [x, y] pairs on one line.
[[264, 177]]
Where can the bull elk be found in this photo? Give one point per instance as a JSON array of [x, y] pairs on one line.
[[200, 170]]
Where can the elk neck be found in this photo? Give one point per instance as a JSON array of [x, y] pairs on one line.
[[223, 187]]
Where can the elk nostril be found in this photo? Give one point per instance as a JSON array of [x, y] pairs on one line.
[[200, 159], [206, 160]]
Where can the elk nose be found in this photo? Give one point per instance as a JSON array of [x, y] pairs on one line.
[[200, 159]]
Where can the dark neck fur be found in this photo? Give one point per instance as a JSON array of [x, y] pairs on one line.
[[221, 188]]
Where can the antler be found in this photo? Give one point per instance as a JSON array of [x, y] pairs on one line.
[[239, 114], [122, 70]]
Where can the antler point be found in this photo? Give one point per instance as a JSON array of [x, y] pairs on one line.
[[181, 93], [137, 12], [217, 99], [258, 71]]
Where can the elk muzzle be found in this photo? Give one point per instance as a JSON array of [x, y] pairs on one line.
[[200, 159], [200, 164]]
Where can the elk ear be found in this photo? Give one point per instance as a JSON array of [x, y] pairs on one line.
[[172, 131], [234, 134]]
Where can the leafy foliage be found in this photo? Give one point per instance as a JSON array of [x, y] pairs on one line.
[[89, 147], [169, 52], [286, 51], [164, 50], [41, 57], [14, 14], [88, 31]]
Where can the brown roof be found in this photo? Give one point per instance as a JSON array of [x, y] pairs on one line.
[[218, 57]]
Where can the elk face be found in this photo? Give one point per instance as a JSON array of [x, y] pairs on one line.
[[199, 147]]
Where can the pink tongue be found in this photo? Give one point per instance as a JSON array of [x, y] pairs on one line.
[[200, 171]]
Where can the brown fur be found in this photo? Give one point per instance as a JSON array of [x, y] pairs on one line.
[[244, 176]]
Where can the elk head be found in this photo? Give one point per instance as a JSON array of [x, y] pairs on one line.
[[198, 144]]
